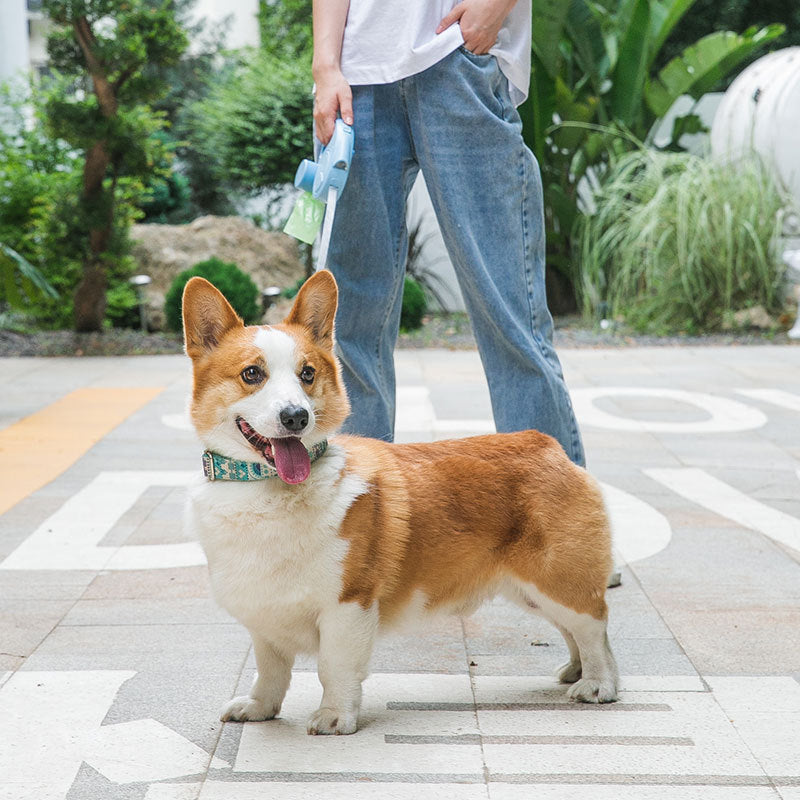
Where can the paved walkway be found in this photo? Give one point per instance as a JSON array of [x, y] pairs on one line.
[[114, 661]]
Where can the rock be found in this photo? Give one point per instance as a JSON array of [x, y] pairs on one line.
[[755, 317], [270, 258]]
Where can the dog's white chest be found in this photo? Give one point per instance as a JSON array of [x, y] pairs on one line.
[[275, 554]]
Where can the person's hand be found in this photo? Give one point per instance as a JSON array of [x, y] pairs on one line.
[[333, 98], [480, 22]]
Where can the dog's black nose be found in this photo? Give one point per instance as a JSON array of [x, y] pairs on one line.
[[294, 418]]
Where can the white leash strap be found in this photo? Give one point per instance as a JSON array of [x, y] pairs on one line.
[[327, 227]]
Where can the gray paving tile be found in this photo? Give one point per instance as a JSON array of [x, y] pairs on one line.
[[24, 624], [175, 649], [145, 584], [43, 584], [147, 612]]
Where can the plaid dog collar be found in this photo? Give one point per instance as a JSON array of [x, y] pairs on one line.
[[222, 468]]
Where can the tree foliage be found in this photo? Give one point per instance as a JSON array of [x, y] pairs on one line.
[[256, 127], [102, 50], [707, 16], [285, 27]]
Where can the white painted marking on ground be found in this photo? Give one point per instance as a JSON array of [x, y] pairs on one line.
[[766, 713], [174, 791], [670, 713], [50, 722], [716, 747], [330, 790], [414, 409], [545, 791], [180, 422], [416, 415], [44, 717], [69, 538], [776, 397], [699, 487], [724, 415], [661, 683], [4, 676], [283, 745], [144, 750], [639, 530]]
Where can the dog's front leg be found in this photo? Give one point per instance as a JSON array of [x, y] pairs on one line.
[[269, 687], [346, 636]]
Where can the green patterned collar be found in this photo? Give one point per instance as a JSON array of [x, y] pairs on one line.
[[222, 468]]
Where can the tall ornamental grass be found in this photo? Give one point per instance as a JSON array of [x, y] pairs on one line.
[[678, 243]]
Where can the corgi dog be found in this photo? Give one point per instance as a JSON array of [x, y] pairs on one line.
[[316, 542]]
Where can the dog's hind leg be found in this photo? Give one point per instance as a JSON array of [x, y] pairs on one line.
[[571, 671], [346, 636], [592, 669], [269, 687], [599, 676]]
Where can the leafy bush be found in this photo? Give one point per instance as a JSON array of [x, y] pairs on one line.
[[254, 127], [679, 242], [20, 281], [237, 286], [167, 198], [597, 88], [414, 305], [122, 310]]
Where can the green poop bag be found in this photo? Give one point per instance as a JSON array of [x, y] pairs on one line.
[[306, 218]]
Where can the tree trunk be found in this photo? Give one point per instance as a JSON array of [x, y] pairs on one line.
[[90, 296]]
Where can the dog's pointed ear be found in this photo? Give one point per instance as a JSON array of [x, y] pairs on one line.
[[207, 317], [315, 307]]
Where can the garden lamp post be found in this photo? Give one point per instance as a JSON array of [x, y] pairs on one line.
[[139, 282], [268, 297]]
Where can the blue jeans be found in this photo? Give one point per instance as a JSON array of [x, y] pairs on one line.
[[456, 122]]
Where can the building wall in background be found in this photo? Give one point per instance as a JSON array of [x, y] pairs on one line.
[[14, 46]]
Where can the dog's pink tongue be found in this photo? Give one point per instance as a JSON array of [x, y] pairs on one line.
[[291, 459]]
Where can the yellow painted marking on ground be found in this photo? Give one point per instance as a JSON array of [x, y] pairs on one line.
[[40, 447]]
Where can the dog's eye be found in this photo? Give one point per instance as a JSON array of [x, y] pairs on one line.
[[252, 374], [307, 374]]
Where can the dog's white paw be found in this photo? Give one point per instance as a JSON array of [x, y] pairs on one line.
[[569, 672], [591, 690], [248, 709], [330, 721]]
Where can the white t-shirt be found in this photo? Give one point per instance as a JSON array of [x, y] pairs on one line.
[[387, 40]]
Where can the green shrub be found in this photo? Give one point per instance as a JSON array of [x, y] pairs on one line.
[[122, 310], [679, 242], [414, 305], [253, 127], [237, 286]]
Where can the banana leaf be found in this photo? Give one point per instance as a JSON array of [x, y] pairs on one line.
[[20, 279], [537, 111], [549, 17], [664, 16], [700, 67], [630, 73]]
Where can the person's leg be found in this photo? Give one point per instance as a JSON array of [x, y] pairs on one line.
[[368, 255], [487, 193]]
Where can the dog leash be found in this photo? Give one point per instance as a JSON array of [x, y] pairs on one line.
[[323, 178]]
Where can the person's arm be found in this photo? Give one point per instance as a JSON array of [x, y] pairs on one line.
[[480, 22], [333, 92]]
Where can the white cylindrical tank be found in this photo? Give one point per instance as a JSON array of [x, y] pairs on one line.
[[761, 112], [14, 56]]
